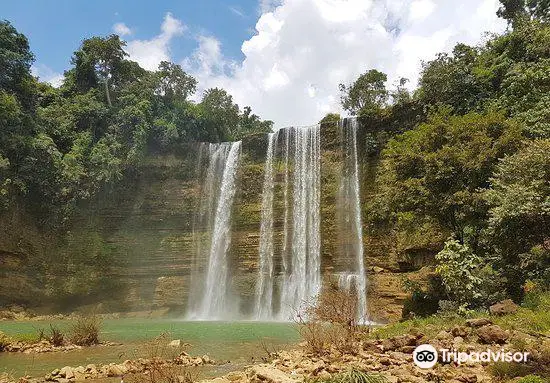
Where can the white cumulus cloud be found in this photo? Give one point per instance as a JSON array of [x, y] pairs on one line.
[[46, 74], [149, 53], [302, 49], [122, 29], [298, 43]]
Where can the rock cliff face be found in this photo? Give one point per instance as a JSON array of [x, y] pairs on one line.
[[145, 226]]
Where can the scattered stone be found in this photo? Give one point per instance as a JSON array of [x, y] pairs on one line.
[[492, 334], [467, 378], [478, 322], [235, 376], [460, 331], [397, 342], [175, 343], [268, 374], [67, 372], [504, 307], [443, 335]]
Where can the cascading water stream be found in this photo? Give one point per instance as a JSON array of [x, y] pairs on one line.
[[209, 300], [289, 272], [348, 207], [300, 253], [264, 287]]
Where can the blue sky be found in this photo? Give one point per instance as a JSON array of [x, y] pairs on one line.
[[56, 28], [284, 58]]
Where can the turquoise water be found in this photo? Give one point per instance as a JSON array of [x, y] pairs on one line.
[[238, 342]]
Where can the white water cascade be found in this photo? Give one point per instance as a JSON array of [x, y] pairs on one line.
[[264, 287], [210, 297], [348, 208], [300, 253]]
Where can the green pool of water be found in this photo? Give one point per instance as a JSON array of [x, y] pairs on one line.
[[237, 342]]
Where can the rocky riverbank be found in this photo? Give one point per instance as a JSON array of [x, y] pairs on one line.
[[390, 358], [145, 366]]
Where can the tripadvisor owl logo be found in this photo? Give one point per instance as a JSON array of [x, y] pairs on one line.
[[425, 356]]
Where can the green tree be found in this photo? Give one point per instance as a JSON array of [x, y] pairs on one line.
[[452, 80], [330, 118], [515, 10], [519, 216], [437, 169], [15, 60], [366, 95], [174, 83], [97, 61], [250, 123], [220, 113]]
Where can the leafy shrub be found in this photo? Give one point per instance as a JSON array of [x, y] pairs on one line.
[[85, 332], [424, 300], [57, 338], [467, 278]]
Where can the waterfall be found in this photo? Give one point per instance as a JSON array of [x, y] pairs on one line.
[[209, 299], [300, 253], [348, 208], [302, 282], [264, 287], [289, 269]]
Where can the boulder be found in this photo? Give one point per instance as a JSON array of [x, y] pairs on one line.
[[504, 307], [478, 322], [116, 370], [268, 374], [444, 335], [91, 369], [397, 342], [67, 372], [235, 376], [492, 334]]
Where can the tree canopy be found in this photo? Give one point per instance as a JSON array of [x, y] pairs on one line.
[[62, 145]]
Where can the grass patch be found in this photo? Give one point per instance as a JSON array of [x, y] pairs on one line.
[[353, 376], [532, 379], [533, 317], [85, 331], [507, 370], [430, 326]]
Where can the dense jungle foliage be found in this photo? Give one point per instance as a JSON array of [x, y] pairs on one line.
[[61, 145]]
